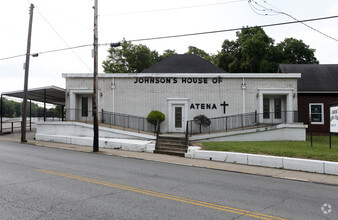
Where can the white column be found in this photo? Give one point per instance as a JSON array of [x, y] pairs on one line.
[[72, 106], [289, 108], [260, 107]]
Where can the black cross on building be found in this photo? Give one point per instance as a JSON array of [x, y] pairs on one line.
[[224, 105]]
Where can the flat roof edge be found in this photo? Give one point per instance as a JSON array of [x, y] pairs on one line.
[[188, 75]]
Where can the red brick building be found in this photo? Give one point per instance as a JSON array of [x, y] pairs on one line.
[[317, 89]]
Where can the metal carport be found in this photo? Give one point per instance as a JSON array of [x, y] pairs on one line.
[[47, 95]]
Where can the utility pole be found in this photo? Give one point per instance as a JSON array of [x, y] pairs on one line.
[[95, 107], [24, 103]]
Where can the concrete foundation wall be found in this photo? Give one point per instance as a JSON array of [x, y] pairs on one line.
[[282, 132], [82, 134], [86, 130]]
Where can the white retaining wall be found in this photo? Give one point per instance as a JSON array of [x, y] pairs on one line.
[[315, 166], [82, 134], [86, 130]]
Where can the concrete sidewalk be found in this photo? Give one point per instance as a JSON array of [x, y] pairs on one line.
[[255, 170]]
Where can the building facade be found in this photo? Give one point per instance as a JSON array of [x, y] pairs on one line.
[[182, 92], [317, 90]]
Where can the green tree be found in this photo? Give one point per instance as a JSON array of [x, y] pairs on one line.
[[254, 51], [200, 52], [297, 52], [10, 108], [229, 58], [130, 58], [167, 53]]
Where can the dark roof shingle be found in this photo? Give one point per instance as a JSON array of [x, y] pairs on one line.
[[315, 77], [184, 63]]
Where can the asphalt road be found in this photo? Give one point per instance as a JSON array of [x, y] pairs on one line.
[[46, 183]]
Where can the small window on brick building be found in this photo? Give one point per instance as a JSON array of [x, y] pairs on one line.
[[316, 111]]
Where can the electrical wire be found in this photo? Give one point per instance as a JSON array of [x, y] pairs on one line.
[[178, 8], [7, 58], [277, 12], [234, 29], [183, 35], [81, 60], [67, 48]]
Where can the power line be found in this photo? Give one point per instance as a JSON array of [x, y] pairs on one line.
[[235, 29], [262, 8], [7, 58], [67, 48], [49, 51], [183, 35], [63, 40], [177, 8]]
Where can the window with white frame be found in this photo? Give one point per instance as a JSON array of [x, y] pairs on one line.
[[316, 111]]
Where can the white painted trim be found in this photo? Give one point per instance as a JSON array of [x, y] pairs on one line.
[[276, 91], [171, 103], [72, 99], [317, 92], [36, 89], [317, 123], [189, 75]]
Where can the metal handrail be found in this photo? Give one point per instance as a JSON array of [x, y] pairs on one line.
[[112, 119], [242, 121]]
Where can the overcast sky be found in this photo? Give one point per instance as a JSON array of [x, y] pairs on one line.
[[62, 23]]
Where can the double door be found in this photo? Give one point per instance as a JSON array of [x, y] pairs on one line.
[[273, 109]]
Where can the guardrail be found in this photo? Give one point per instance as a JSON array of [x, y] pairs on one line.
[[10, 127]]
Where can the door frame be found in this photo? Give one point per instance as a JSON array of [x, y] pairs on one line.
[[172, 102], [286, 92], [74, 101], [272, 111]]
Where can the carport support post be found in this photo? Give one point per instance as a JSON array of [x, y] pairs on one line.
[[30, 115], [1, 114], [62, 112], [44, 105]]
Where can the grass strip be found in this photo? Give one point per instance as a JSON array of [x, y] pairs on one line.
[[297, 149]]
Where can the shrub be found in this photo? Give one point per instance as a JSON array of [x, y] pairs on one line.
[[153, 116], [202, 120]]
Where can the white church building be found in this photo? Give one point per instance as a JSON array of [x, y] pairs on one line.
[[183, 87]]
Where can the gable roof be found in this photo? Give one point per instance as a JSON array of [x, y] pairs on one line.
[[315, 77], [184, 63]]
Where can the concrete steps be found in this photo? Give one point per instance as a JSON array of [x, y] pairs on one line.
[[172, 145]]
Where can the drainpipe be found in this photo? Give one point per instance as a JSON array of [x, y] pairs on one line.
[[113, 92], [243, 86]]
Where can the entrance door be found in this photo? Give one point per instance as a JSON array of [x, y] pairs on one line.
[[273, 109], [178, 118], [85, 113]]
